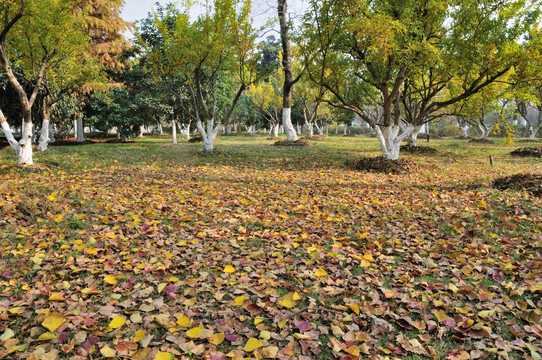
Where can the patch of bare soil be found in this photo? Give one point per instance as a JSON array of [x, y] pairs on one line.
[[381, 165], [419, 150], [481, 141], [195, 139], [528, 152], [531, 183], [273, 138], [315, 138], [299, 143], [530, 141], [119, 141], [3, 143], [461, 137]]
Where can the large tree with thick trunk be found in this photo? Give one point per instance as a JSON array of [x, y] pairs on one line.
[[415, 56]]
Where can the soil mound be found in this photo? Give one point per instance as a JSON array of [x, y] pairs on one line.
[[531, 183], [314, 138], [299, 143], [481, 141], [419, 150], [431, 136], [381, 165], [528, 152]]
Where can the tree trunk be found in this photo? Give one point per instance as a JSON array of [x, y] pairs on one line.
[[141, 131], [288, 73], [44, 137], [390, 140], [465, 131], [208, 136], [160, 130], [276, 130], [124, 139], [52, 139], [310, 127], [79, 132], [413, 137], [25, 145], [345, 129], [228, 129], [174, 131]]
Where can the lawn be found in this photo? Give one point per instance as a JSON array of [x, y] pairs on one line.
[[149, 250]]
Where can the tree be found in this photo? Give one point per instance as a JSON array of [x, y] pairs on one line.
[[411, 59], [218, 45], [287, 68], [36, 41], [266, 97]]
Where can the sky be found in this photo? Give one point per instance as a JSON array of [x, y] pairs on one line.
[[263, 9]]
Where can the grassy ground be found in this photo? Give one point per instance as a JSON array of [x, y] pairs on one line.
[[324, 262]]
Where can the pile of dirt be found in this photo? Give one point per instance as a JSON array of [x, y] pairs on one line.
[[299, 143], [119, 141], [73, 142], [528, 152], [431, 136], [195, 139], [481, 141], [530, 141], [419, 150], [381, 165], [315, 137], [3, 143], [531, 183], [273, 138]]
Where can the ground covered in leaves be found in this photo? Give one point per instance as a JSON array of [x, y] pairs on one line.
[[148, 251]]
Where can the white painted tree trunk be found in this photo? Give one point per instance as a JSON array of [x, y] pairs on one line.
[[9, 134], [208, 136], [228, 129], [276, 130], [345, 129], [160, 130], [484, 132], [465, 131], [281, 129], [310, 128], [79, 132], [390, 140], [235, 127], [533, 131], [52, 139], [141, 131], [291, 135], [413, 137], [174, 131], [25, 145], [299, 129], [44, 137]]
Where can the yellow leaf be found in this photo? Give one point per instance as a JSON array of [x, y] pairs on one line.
[[56, 297], [352, 350], [239, 300], [320, 272], [139, 335], [266, 335], [92, 251], [164, 356], [52, 197], [364, 263], [296, 296], [111, 279], [107, 352], [117, 322], [363, 236], [217, 339], [53, 321], [252, 344], [287, 303], [193, 333], [368, 257], [439, 314], [161, 287], [184, 321], [258, 320], [46, 336], [58, 218], [354, 308], [189, 302], [229, 269]]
